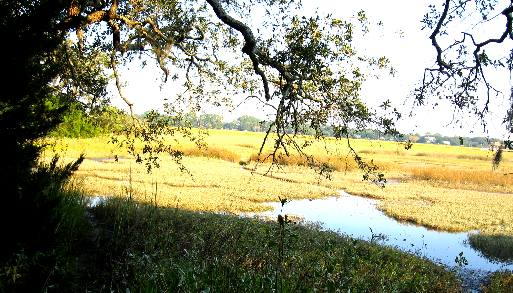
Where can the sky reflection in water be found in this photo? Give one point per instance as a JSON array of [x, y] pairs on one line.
[[354, 216]]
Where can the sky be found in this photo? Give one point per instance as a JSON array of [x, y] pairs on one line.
[[400, 38]]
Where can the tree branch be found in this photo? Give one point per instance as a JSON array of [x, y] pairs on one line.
[[434, 34], [119, 86], [250, 45]]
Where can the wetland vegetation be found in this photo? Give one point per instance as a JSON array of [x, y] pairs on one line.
[[436, 189], [178, 227]]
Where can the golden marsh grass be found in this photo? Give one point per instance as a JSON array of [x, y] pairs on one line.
[[442, 187], [212, 185]]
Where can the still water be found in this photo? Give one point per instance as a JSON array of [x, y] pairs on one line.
[[356, 216]]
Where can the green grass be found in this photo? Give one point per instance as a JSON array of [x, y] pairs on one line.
[[495, 247], [172, 250], [123, 245], [500, 282]]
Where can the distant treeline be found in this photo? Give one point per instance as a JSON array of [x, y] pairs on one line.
[[435, 138], [243, 123], [79, 123], [251, 123]]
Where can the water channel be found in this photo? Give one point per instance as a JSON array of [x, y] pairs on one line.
[[356, 216], [360, 218]]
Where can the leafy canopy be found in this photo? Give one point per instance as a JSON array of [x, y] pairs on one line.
[[305, 68]]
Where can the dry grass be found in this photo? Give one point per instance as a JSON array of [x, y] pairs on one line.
[[449, 209], [484, 180], [443, 187], [335, 163], [211, 152], [212, 185]]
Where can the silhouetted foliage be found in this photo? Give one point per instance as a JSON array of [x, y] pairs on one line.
[[305, 68], [468, 56], [32, 103]]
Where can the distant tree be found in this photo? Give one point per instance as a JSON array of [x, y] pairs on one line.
[[439, 139], [248, 123], [210, 121], [454, 140], [230, 125], [478, 142], [78, 123]]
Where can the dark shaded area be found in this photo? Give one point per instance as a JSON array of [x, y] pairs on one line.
[[494, 247], [28, 33], [31, 193]]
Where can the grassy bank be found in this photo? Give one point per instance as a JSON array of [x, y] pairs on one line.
[[150, 249], [494, 247], [500, 282]]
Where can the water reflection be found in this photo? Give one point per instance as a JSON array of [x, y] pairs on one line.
[[356, 216], [96, 200]]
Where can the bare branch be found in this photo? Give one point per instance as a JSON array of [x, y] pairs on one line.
[[250, 45], [434, 34], [119, 86]]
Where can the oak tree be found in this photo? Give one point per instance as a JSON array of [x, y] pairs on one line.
[[305, 68]]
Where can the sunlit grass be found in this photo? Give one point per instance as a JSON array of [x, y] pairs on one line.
[[454, 177], [442, 187], [211, 184]]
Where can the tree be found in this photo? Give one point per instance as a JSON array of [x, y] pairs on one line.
[[248, 123], [304, 67], [31, 104], [466, 61], [230, 125], [210, 121], [79, 123]]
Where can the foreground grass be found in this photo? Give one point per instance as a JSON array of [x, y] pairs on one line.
[[500, 282], [124, 246], [172, 250]]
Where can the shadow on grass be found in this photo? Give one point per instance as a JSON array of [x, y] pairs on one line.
[[129, 246], [494, 247], [171, 250]]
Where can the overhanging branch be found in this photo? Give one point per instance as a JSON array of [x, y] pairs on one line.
[[119, 86], [250, 43]]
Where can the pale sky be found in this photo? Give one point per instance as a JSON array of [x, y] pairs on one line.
[[400, 38]]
